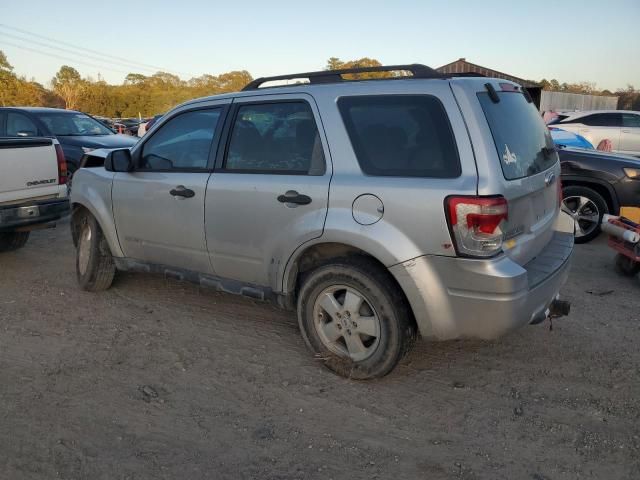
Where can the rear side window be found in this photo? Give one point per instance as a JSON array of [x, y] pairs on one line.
[[275, 138], [19, 125], [630, 120], [522, 140], [601, 120], [401, 135]]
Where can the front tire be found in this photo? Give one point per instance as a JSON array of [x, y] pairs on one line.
[[10, 241], [95, 267], [353, 317], [586, 207]]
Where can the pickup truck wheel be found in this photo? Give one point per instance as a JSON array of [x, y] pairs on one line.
[[586, 207], [351, 319], [626, 266], [13, 240], [95, 268]]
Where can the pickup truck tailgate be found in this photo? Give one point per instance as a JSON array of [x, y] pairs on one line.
[[28, 169]]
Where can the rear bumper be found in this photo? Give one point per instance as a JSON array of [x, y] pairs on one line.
[[32, 213], [465, 298]]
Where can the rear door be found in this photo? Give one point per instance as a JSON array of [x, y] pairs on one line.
[[269, 192], [630, 134], [159, 207], [516, 159]]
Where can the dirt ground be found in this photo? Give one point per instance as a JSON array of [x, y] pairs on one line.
[[157, 379]]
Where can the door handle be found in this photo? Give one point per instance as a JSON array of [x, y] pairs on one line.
[[181, 191], [292, 196], [626, 131]]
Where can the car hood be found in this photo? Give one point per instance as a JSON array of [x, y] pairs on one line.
[[617, 158], [99, 141]]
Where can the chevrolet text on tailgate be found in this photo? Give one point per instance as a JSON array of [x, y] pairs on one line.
[[33, 190], [379, 210]]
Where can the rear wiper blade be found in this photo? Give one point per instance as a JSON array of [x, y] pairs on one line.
[[493, 95]]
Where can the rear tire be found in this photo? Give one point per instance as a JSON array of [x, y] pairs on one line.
[[10, 241], [587, 207], [353, 317], [95, 267]]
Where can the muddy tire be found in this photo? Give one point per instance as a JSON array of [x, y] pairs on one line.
[[95, 267], [353, 317], [10, 241]]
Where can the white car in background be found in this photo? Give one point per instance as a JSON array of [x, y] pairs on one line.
[[621, 127]]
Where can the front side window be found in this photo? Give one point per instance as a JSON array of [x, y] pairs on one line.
[[401, 135], [19, 125], [73, 124], [601, 120], [184, 142], [630, 120], [279, 137]]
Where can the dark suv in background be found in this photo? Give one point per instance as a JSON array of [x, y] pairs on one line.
[[595, 183], [77, 132]]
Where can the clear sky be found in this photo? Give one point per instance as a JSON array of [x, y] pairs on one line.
[[589, 40]]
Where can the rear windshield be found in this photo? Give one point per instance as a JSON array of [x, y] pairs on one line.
[[522, 140], [401, 135]]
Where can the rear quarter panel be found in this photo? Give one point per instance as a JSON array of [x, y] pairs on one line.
[[413, 222]]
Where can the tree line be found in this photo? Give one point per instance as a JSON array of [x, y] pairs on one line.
[[152, 94]]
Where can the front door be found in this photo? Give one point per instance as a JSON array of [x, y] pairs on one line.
[[159, 207], [270, 190]]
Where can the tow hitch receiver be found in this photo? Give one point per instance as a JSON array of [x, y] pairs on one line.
[[557, 308]]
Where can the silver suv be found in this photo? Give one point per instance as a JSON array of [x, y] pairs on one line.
[[378, 209]]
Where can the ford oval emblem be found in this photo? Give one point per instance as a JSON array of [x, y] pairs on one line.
[[549, 178]]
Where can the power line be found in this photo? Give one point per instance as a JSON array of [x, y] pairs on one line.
[[42, 44], [61, 57], [155, 67]]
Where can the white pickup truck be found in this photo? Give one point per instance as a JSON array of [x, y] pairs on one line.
[[33, 190]]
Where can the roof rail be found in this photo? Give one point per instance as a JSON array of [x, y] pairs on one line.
[[334, 76], [466, 74]]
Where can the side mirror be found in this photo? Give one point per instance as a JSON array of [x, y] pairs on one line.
[[119, 161]]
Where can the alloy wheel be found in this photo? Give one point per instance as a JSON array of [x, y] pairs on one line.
[[584, 212], [346, 322]]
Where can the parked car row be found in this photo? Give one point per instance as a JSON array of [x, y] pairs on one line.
[[77, 132]]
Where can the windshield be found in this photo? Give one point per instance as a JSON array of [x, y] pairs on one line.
[[522, 140], [73, 124]]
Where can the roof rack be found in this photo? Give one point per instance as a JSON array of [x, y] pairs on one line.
[[335, 76]]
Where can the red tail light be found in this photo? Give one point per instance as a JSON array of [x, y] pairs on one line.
[[477, 224], [62, 165]]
